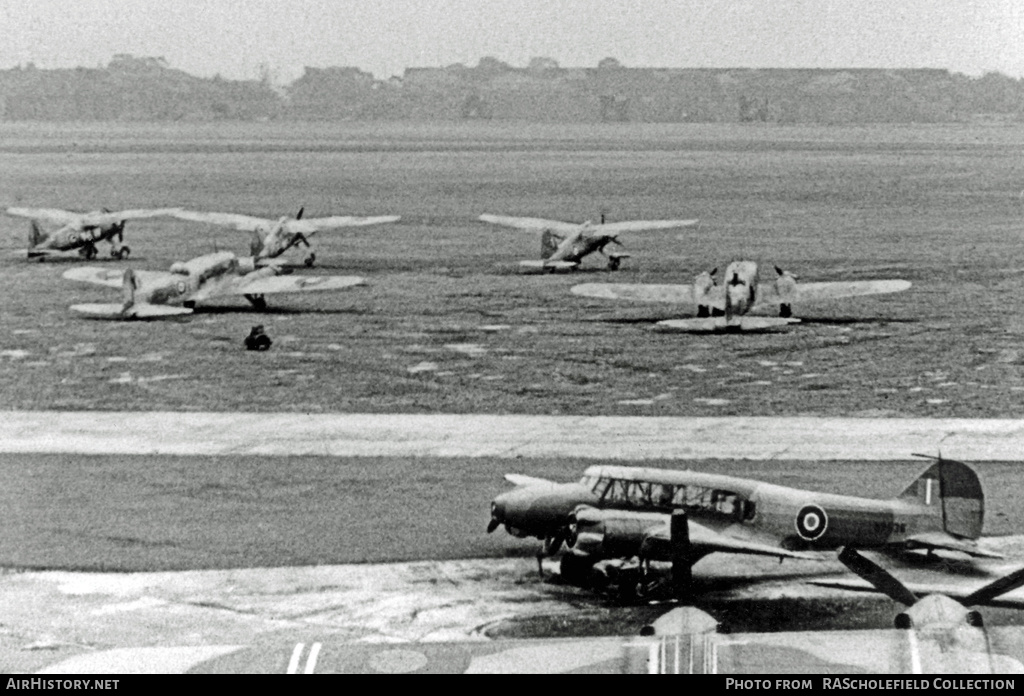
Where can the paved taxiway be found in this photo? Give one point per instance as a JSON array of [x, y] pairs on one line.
[[512, 436]]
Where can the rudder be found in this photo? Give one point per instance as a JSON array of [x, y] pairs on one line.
[[955, 491]]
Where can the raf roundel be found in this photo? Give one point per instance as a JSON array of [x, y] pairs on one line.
[[811, 522]]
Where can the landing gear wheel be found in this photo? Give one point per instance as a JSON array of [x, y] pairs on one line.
[[614, 263], [261, 343], [122, 253], [310, 260], [258, 301], [575, 570], [785, 311], [89, 252]]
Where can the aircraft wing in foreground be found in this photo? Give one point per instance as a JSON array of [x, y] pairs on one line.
[[154, 294], [723, 306], [272, 238], [565, 244]]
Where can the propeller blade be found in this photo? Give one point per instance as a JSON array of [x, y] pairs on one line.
[[299, 216], [992, 590], [878, 576]]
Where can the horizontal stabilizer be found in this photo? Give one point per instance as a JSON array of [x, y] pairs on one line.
[[939, 541], [719, 324], [548, 265], [523, 480], [135, 311]]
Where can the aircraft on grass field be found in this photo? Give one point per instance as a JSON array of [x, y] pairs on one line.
[[81, 231], [271, 238], [151, 294], [564, 244], [725, 306], [619, 514]]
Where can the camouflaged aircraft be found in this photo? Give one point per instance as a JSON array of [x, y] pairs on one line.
[[154, 294], [725, 306], [272, 238], [564, 244], [80, 231], [622, 513]]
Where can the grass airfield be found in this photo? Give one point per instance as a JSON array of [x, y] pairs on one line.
[[447, 324]]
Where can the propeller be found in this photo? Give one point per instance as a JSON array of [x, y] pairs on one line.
[[298, 216], [992, 590], [879, 577]]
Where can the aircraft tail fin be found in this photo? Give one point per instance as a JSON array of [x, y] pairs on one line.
[[35, 234], [128, 287], [549, 242], [953, 488]]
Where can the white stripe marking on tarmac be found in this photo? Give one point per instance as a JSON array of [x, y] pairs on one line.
[[293, 664], [314, 653]]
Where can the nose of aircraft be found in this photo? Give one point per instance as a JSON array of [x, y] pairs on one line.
[[537, 510]]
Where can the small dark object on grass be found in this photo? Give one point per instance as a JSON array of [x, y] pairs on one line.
[[257, 339]]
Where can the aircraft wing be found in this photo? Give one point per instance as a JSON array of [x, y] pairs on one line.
[[523, 480], [139, 310], [809, 292], [119, 215], [679, 294], [287, 283], [706, 540], [528, 223], [944, 542], [246, 223], [62, 217], [642, 225], [113, 278], [310, 225]]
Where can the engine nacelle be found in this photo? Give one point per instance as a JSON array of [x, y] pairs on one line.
[[602, 534]]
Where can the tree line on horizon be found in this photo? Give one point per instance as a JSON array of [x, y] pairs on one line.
[[133, 88]]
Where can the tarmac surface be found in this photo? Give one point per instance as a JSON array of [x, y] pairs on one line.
[[510, 436], [168, 622]]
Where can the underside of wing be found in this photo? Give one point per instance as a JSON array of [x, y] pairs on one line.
[[944, 542], [56, 215], [809, 292], [245, 223], [311, 225], [719, 324], [138, 310], [528, 223], [643, 225], [679, 294], [290, 283]]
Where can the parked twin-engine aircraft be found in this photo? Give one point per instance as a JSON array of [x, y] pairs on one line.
[[564, 244], [151, 294], [725, 306], [616, 512], [271, 238], [81, 231]]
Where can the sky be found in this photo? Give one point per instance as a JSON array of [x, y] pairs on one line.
[[236, 38]]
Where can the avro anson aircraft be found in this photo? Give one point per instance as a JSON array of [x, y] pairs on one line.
[[625, 512], [81, 231], [271, 238], [725, 306], [564, 244], [151, 294]]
